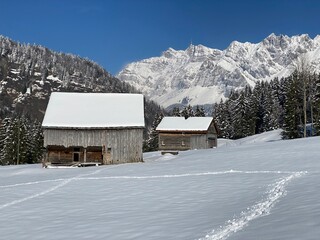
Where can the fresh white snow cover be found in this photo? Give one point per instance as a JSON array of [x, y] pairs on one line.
[[270, 136], [51, 77], [182, 124], [94, 110], [259, 190]]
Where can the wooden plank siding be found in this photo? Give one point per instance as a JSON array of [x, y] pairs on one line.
[[174, 141], [178, 140], [185, 141], [117, 145]]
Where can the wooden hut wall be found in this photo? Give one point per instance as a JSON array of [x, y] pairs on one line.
[[180, 141], [174, 141], [212, 128], [212, 140], [124, 145], [198, 142]]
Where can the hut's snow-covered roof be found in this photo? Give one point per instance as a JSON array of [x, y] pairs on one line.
[[94, 110], [182, 124]]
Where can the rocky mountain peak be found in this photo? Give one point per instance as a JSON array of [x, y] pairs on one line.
[[198, 50], [204, 75]]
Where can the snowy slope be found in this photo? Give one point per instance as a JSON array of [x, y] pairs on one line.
[[201, 75], [260, 190], [258, 138]]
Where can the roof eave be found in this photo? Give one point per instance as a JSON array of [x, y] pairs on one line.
[[184, 131], [91, 128]]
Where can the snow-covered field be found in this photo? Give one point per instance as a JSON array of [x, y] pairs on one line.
[[254, 188]]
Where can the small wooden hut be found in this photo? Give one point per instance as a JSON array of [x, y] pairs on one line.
[[93, 127], [178, 133]]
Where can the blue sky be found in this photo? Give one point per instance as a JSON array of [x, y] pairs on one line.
[[114, 33]]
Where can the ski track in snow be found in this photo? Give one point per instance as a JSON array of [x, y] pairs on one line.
[[184, 175], [36, 195], [32, 183], [64, 182], [82, 176], [262, 208]]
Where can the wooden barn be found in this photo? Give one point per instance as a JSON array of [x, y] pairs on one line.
[[178, 133], [101, 128]]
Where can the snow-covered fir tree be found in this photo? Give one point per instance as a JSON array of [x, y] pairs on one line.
[[317, 105], [199, 112], [187, 112], [21, 141], [176, 112], [270, 105], [34, 152], [293, 109], [151, 144]]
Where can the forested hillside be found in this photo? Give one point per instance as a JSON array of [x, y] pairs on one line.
[[28, 75], [287, 103]]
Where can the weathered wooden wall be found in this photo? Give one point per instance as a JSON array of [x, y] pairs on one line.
[[119, 145], [186, 141], [174, 141], [59, 156], [212, 129], [198, 142]]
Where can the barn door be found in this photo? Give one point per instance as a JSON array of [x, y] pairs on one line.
[[212, 142], [76, 154], [106, 152], [108, 156]]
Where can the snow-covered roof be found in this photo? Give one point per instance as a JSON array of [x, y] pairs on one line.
[[94, 110], [182, 124]]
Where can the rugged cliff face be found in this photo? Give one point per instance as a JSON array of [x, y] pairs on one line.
[[200, 75]]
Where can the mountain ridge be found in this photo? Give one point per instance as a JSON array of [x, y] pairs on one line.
[[201, 75]]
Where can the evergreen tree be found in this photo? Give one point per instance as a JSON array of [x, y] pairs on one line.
[[227, 127], [312, 102], [260, 108], [278, 97], [219, 117], [199, 112], [4, 126], [241, 117], [187, 112], [176, 112], [271, 110], [8, 146], [153, 141], [20, 142], [34, 152], [292, 117], [317, 106]]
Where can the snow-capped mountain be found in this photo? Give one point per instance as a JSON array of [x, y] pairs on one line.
[[200, 75]]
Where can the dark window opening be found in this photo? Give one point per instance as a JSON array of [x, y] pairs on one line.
[[76, 157], [76, 149]]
